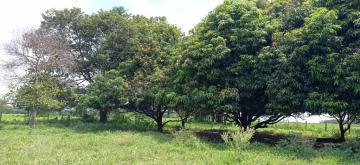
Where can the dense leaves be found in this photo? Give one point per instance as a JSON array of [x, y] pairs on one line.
[[106, 94]]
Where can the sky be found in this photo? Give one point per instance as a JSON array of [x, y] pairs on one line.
[[16, 15]]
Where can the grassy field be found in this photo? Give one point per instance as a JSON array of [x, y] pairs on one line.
[[134, 142]]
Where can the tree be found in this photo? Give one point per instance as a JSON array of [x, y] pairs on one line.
[[45, 60], [320, 63], [97, 42], [188, 99], [37, 97], [105, 94], [225, 57], [153, 100], [347, 78], [144, 70], [185, 105]]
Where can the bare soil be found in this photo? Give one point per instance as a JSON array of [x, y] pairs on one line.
[[215, 136]]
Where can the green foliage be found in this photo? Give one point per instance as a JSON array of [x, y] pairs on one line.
[[43, 95], [107, 93], [317, 53], [227, 59], [98, 42], [149, 93]]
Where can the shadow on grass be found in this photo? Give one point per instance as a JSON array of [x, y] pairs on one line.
[[306, 152], [80, 126], [146, 128]]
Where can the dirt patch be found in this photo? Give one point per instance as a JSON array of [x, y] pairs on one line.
[[215, 137], [329, 140], [322, 142], [211, 135], [168, 132], [267, 138], [262, 137]]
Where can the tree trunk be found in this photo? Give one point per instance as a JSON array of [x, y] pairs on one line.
[[183, 122], [160, 125], [33, 119], [213, 116], [103, 116], [243, 123], [342, 132]]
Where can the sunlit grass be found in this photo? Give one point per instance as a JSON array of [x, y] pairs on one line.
[[75, 142]]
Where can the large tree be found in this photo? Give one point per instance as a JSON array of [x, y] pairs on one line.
[[226, 57], [321, 63], [97, 42], [144, 70]]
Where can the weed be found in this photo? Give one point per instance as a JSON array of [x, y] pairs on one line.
[[238, 139]]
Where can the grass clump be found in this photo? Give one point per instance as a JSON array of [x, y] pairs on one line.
[[238, 139], [188, 139]]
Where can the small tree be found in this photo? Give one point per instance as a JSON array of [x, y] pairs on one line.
[[154, 103], [45, 60], [107, 93], [183, 108]]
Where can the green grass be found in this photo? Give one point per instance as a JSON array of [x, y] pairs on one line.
[[122, 142], [314, 130]]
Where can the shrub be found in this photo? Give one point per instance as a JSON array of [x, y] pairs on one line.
[[238, 139]]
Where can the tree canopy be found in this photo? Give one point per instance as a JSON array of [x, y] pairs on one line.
[[249, 62]]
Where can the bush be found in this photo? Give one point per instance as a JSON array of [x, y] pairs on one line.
[[238, 139]]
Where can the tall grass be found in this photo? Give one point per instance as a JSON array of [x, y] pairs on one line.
[[120, 142]]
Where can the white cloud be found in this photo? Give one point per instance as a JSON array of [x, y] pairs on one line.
[[184, 13], [18, 14]]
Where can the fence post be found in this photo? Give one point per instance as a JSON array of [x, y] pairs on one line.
[[305, 125]]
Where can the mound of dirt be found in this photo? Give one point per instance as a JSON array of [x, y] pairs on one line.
[[267, 138], [322, 142], [215, 136], [329, 140], [211, 135]]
